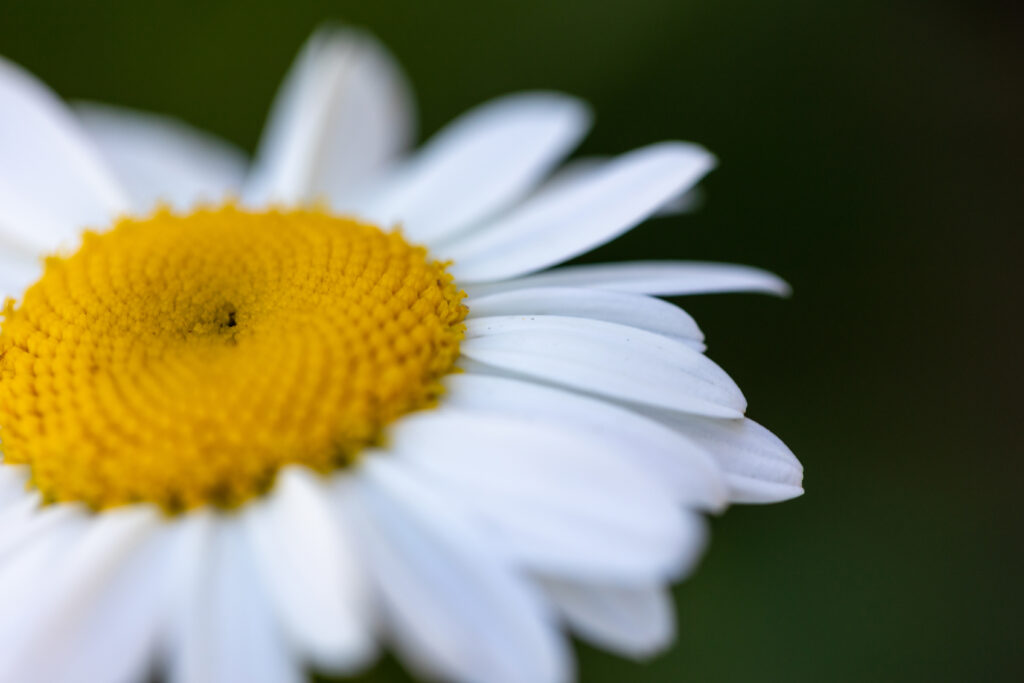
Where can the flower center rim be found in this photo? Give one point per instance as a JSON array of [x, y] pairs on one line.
[[184, 359]]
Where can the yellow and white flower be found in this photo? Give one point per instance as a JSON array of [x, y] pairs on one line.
[[249, 425]]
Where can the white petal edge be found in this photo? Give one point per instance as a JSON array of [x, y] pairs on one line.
[[119, 640], [604, 358], [635, 310], [478, 165], [27, 578], [29, 228], [758, 466], [686, 470], [159, 159], [20, 571], [584, 213], [98, 617], [12, 482], [17, 507], [344, 113], [311, 566], [456, 609], [24, 519], [662, 278], [224, 629], [18, 270], [554, 500], [572, 170], [633, 621], [47, 155]]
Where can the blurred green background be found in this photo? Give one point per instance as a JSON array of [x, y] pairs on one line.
[[871, 154]]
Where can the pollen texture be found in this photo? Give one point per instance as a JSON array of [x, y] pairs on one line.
[[184, 359]]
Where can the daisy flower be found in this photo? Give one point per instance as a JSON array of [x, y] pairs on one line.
[[261, 417]]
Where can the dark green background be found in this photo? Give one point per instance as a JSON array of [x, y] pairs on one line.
[[871, 153]]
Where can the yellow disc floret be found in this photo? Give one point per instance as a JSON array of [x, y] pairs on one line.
[[183, 360]]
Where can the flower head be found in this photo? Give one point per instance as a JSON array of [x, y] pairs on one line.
[[259, 417]]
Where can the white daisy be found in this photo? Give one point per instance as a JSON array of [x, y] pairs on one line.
[[245, 436]]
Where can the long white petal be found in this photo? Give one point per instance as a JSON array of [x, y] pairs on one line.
[[344, 113], [605, 358], [53, 182], [479, 164], [23, 521], [635, 310], [632, 621], [31, 566], [457, 610], [574, 169], [682, 466], [98, 618], [585, 213], [225, 630], [27, 578], [117, 639], [161, 159], [186, 649], [663, 278], [759, 467], [309, 563], [557, 501]]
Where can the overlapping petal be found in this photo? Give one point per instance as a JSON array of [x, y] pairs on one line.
[[53, 182], [158, 159]]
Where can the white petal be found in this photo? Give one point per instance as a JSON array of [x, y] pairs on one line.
[[26, 579], [27, 226], [116, 641], [759, 467], [186, 650], [632, 621], [458, 611], [312, 569], [160, 159], [99, 603], [605, 358], [25, 520], [675, 461], [557, 501], [583, 214], [18, 270], [18, 508], [52, 181], [684, 203], [225, 630], [649, 277], [572, 170], [12, 483], [343, 114], [478, 165], [568, 173], [635, 310], [33, 564]]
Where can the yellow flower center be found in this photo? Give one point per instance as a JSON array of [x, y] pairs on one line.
[[183, 360]]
